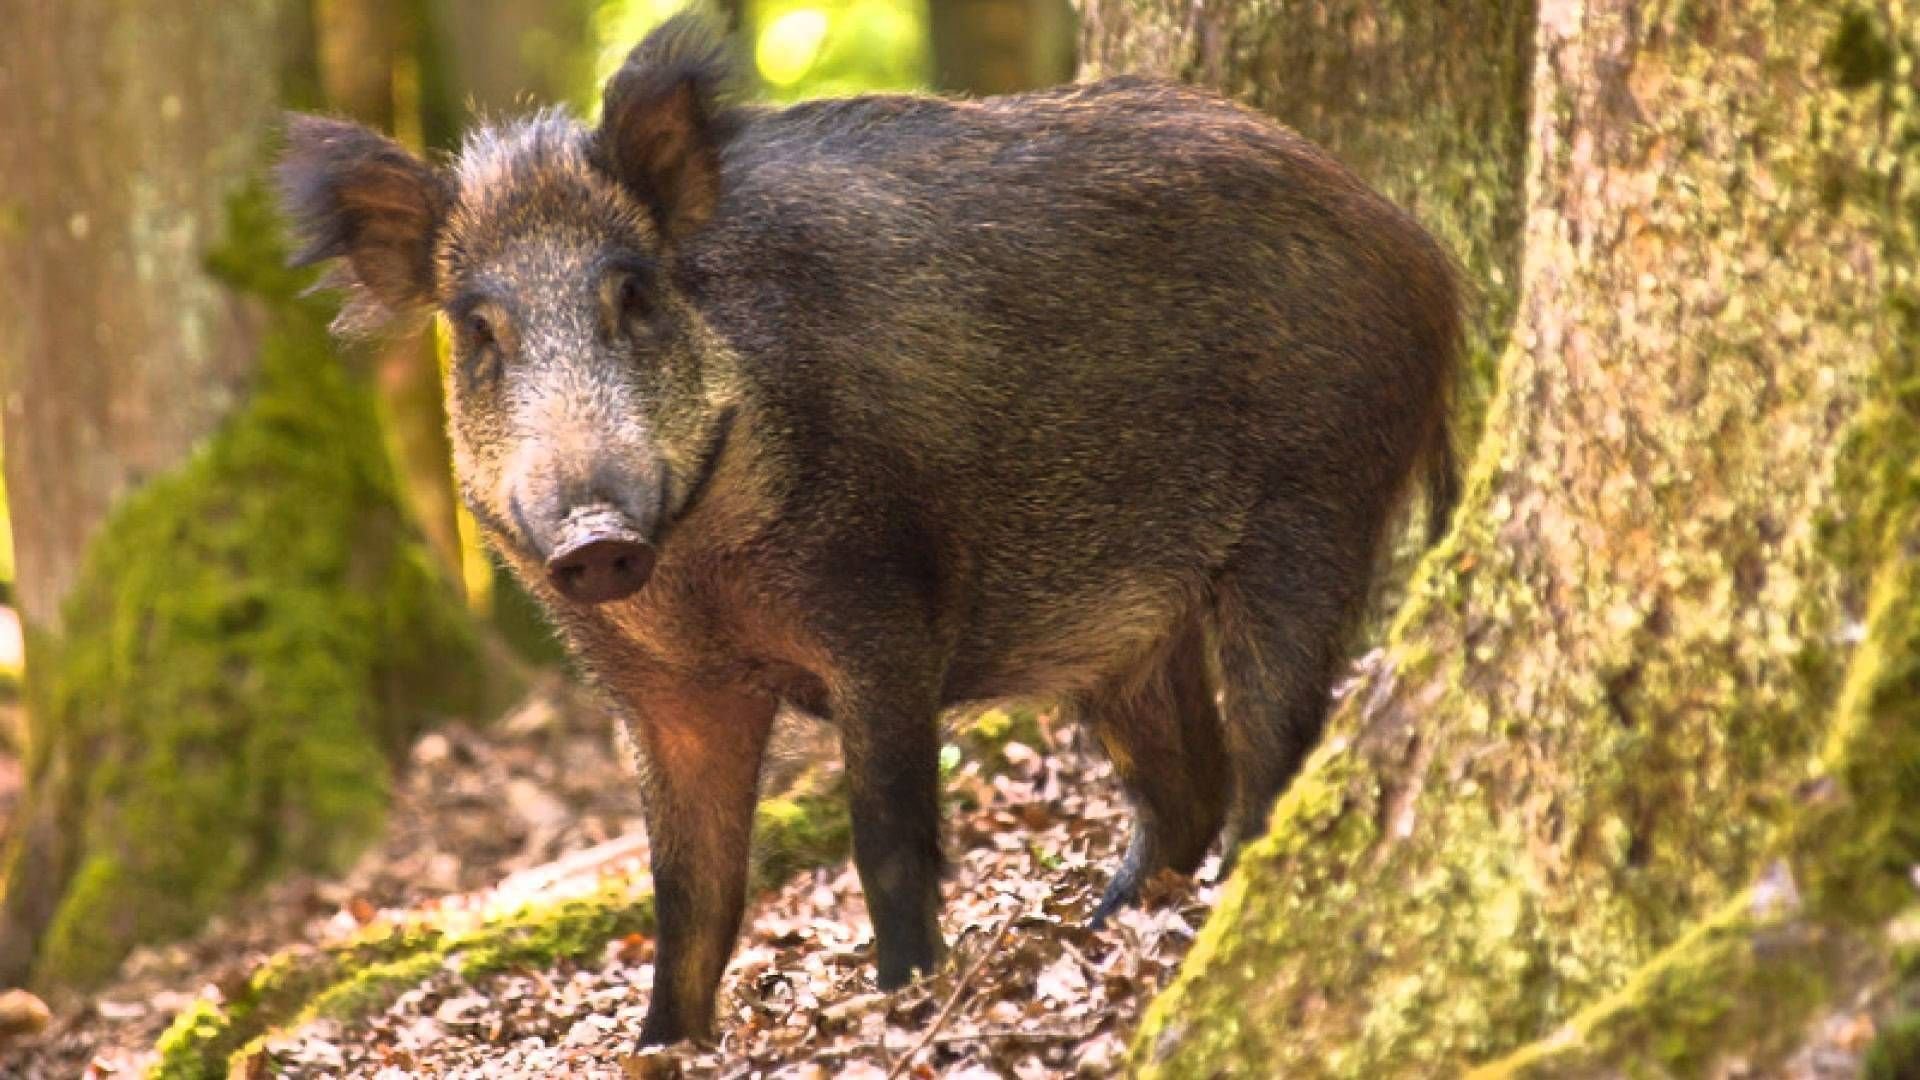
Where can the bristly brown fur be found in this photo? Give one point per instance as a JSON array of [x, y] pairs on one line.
[[533, 175]]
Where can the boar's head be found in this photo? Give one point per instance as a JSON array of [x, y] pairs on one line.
[[588, 401]]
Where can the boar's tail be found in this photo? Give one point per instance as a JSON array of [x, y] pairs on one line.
[[1438, 306], [1443, 483]]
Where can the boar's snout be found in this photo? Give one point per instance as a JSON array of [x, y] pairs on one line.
[[600, 557]]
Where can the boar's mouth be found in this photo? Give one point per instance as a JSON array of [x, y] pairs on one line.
[[522, 532]]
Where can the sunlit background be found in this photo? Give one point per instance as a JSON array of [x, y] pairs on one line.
[[798, 50]]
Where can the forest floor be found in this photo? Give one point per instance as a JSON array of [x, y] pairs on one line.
[[546, 797]]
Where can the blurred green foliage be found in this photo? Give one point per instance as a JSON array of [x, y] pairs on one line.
[[799, 48], [815, 48]]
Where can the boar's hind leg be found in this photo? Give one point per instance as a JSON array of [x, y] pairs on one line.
[[889, 737], [1279, 628], [701, 765], [1161, 731]]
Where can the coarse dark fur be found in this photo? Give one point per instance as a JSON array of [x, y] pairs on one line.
[[1106, 394]]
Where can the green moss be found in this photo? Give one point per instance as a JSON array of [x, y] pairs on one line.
[[180, 1058], [250, 637], [1750, 977], [1738, 979], [74, 942], [1859, 54], [803, 828], [369, 973], [1328, 808], [540, 936], [1857, 850], [986, 736], [1895, 1053], [206, 1034], [806, 827], [374, 987]]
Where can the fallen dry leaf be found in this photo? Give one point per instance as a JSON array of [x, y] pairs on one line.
[[21, 1015]]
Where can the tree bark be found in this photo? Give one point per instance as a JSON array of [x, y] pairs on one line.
[[507, 57], [370, 70], [1631, 787], [111, 184], [230, 621], [482, 58]]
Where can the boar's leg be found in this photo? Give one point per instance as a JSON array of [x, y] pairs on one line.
[[1278, 629], [891, 744], [702, 753], [1161, 731]]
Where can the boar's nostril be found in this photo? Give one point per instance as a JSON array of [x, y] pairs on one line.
[[596, 568]]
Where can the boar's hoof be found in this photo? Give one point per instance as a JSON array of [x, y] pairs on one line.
[[599, 567]]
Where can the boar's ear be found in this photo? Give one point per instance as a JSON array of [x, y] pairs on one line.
[[357, 195], [663, 122]]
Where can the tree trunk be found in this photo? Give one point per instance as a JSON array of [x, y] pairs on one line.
[[369, 59], [983, 47], [230, 622], [508, 56], [480, 58], [108, 193], [1632, 786]]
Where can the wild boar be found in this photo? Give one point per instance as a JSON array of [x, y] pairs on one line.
[[881, 406]]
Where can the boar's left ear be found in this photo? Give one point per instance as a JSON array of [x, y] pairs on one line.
[[357, 195], [663, 123]]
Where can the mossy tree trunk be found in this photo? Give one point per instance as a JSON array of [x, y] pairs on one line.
[[1633, 786], [231, 622]]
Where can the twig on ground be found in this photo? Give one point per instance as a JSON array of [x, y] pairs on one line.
[[957, 1038], [540, 878], [1067, 947], [1019, 1035], [953, 999]]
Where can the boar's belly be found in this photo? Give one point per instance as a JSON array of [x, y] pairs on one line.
[[1052, 645]]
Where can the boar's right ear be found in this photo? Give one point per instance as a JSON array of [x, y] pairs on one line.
[[663, 122], [357, 195]]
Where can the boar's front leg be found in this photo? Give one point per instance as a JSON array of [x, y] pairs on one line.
[[890, 740], [702, 753]]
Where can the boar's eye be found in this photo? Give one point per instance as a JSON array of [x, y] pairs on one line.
[[626, 297], [632, 298], [479, 330], [479, 338]]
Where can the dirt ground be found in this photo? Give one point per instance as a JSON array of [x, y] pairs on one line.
[[547, 794]]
